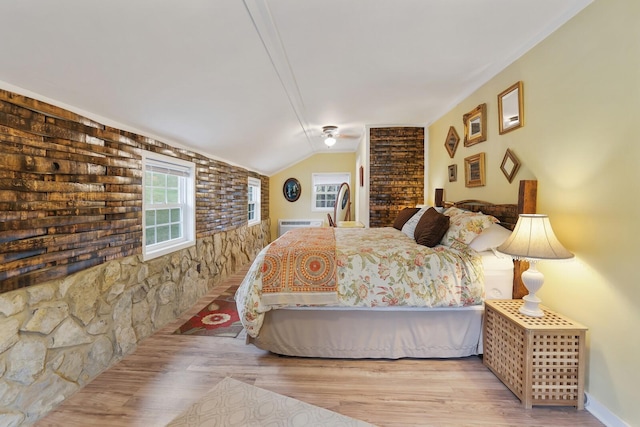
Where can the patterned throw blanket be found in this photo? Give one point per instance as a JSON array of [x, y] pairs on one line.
[[299, 267]]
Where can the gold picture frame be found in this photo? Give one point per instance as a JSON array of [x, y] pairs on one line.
[[453, 173], [474, 170], [451, 143], [475, 125], [511, 108], [510, 165]]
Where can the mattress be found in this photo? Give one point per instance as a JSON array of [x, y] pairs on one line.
[[498, 275]]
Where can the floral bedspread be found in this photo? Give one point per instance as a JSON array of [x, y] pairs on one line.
[[379, 267]]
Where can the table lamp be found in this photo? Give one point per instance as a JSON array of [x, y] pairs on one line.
[[533, 240]]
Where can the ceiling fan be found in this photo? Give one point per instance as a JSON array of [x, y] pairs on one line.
[[330, 135]]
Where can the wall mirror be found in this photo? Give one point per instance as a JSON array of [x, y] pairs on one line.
[[291, 189], [342, 208], [510, 165], [475, 125], [511, 108]]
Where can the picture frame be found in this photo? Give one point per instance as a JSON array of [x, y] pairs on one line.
[[291, 189], [475, 125], [451, 143], [453, 173], [474, 170], [511, 108], [510, 165]]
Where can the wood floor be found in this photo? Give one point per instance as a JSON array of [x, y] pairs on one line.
[[167, 373]]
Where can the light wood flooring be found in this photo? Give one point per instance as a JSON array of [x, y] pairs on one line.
[[167, 373]]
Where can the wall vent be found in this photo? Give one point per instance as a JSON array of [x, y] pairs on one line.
[[285, 225]]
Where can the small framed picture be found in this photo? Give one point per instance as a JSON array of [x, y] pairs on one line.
[[474, 175], [475, 125], [451, 143], [453, 173]]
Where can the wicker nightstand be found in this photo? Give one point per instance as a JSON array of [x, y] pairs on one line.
[[541, 359]]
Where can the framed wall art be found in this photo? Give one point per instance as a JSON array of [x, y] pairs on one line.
[[474, 175], [475, 125], [291, 189], [451, 143], [453, 173], [511, 108], [510, 165]]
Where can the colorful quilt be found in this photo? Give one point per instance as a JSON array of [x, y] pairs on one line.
[[374, 267], [300, 268]]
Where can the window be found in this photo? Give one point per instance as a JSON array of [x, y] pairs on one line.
[[168, 204], [325, 190], [253, 210]]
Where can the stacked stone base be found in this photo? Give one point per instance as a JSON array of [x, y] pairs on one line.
[[58, 336]]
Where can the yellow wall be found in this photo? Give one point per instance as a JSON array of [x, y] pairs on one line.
[[280, 208], [582, 101]]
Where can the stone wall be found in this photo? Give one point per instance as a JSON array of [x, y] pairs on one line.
[[57, 336]]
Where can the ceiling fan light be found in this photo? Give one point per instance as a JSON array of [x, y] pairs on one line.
[[330, 141]]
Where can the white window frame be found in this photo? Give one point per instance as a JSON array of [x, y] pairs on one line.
[[186, 171], [327, 178], [254, 187]]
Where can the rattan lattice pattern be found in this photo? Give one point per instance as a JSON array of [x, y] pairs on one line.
[[540, 359]]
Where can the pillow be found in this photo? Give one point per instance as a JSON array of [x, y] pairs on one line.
[[431, 228], [464, 226], [409, 227], [403, 216], [490, 238]]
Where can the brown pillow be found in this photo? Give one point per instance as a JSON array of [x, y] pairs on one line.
[[431, 228], [403, 216]]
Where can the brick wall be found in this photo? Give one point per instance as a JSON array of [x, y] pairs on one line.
[[396, 172], [71, 192]]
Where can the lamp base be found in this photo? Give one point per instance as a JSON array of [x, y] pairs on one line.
[[530, 306], [533, 281]]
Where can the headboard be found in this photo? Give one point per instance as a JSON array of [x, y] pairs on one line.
[[508, 216]]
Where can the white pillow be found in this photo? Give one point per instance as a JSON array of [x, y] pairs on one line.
[[490, 238], [409, 227]]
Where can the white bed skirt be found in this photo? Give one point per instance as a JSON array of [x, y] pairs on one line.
[[377, 334]]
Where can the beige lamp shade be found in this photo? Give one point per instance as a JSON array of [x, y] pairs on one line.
[[533, 239]]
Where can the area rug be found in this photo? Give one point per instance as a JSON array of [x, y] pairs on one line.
[[233, 403], [219, 318]]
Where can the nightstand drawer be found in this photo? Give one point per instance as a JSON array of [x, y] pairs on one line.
[[540, 359]]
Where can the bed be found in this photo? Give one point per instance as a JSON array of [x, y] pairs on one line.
[[377, 293]]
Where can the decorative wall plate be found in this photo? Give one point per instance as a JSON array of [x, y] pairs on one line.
[[291, 189]]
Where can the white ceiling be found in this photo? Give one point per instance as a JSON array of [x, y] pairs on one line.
[[252, 82]]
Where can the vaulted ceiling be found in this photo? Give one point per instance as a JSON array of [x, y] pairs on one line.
[[252, 82]]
